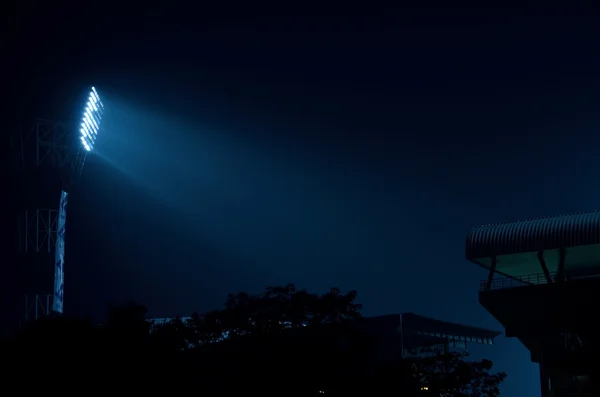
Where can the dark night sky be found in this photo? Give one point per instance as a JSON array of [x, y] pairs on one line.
[[247, 149]]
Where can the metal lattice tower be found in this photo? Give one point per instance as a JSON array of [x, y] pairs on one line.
[[43, 160], [51, 144], [48, 158], [38, 231], [37, 306]]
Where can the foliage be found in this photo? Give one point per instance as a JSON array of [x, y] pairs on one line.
[[286, 307], [393, 379], [282, 342], [284, 333], [174, 335], [450, 374], [277, 309]]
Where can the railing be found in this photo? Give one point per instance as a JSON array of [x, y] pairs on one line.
[[526, 280], [509, 282]]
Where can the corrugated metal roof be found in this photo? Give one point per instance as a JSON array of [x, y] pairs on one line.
[[453, 331], [425, 326], [533, 235]]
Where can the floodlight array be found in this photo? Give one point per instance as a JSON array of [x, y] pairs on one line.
[[90, 122]]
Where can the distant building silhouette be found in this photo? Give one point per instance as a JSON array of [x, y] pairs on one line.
[[399, 334]]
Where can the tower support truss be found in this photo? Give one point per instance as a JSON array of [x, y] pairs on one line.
[[38, 231], [37, 306], [43, 143], [46, 161]]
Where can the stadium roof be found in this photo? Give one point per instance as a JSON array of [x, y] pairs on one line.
[[515, 245], [414, 324]]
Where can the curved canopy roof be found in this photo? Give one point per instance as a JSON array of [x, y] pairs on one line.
[[534, 235], [573, 238]]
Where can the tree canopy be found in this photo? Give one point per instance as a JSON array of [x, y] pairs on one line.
[[451, 374], [277, 309], [285, 341]]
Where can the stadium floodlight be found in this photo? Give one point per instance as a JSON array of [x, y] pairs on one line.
[[88, 133], [91, 119]]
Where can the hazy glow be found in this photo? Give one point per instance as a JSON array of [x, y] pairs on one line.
[[90, 121]]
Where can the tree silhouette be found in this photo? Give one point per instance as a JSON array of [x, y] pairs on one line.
[[285, 341], [277, 309], [450, 374], [172, 336], [310, 342], [285, 334]]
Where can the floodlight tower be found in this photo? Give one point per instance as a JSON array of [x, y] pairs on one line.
[[50, 158], [88, 133]]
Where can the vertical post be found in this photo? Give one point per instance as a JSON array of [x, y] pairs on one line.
[[560, 272], [401, 337], [491, 275], [26, 230], [544, 267], [49, 230], [37, 230], [544, 379], [22, 147], [26, 309], [37, 144], [36, 301]]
